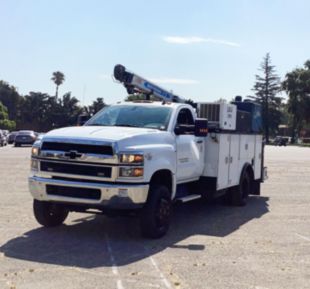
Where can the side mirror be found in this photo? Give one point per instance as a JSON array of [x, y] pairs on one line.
[[178, 130], [201, 127], [184, 129]]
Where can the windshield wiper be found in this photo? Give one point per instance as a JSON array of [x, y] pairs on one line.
[[122, 124], [96, 124], [128, 125]]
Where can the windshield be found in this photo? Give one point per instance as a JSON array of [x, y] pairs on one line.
[[133, 116], [25, 132]]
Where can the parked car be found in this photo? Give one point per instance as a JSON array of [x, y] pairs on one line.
[[280, 141], [12, 136], [25, 137], [3, 139]]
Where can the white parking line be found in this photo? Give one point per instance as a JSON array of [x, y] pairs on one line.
[[162, 277], [303, 237], [119, 283]]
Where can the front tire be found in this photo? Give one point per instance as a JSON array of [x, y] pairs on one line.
[[155, 216], [49, 214]]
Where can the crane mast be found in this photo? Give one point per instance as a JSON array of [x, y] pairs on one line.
[[137, 84]]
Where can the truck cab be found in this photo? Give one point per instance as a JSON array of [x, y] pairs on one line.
[[111, 161]]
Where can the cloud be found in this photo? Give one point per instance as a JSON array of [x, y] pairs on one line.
[[194, 39], [174, 81]]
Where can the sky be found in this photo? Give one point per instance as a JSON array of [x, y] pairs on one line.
[[203, 50]]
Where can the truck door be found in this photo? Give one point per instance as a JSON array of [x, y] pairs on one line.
[[234, 173], [190, 150], [223, 161], [228, 166], [258, 157]]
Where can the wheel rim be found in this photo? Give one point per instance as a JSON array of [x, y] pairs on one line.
[[54, 210], [163, 213]]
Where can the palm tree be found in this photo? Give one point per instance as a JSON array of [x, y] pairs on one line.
[[58, 78]]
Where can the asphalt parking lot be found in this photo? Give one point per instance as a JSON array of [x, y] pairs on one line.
[[263, 245]]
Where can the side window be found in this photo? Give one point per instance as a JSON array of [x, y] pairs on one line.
[[185, 117]]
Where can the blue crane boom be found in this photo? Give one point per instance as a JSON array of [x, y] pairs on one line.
[[137, 84]]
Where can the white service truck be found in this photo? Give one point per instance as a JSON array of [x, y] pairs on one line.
[[142, 156]]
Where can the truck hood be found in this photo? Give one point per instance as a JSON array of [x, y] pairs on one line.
[[99, 133]]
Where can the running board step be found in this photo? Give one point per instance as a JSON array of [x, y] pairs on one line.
[[188, 198]]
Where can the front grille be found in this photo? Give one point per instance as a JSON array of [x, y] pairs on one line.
[[71, 192], [73, 169], [81, 148]]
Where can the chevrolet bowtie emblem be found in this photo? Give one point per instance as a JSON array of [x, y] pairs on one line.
[[73, 155]]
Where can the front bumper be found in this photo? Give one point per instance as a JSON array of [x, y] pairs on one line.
[[116, 196], [21, 141]]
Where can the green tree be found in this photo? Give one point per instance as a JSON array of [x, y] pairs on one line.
[[97, 105], [5, 123], [3, 112], [139, 97], [34, 111], [54, 113], [42, 112], [58, 78], [267, 87], [69, 109], [11, 99], [297, 86]]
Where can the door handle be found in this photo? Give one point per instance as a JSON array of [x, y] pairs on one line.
[[199, 141]]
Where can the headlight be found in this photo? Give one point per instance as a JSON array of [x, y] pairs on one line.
[[35, 151], [131, 172], [131, 158]]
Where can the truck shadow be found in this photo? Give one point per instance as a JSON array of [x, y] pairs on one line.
[[88, 242]]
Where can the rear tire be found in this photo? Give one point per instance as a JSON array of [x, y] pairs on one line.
[[155, 216], [48, 214], [240, 193]]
